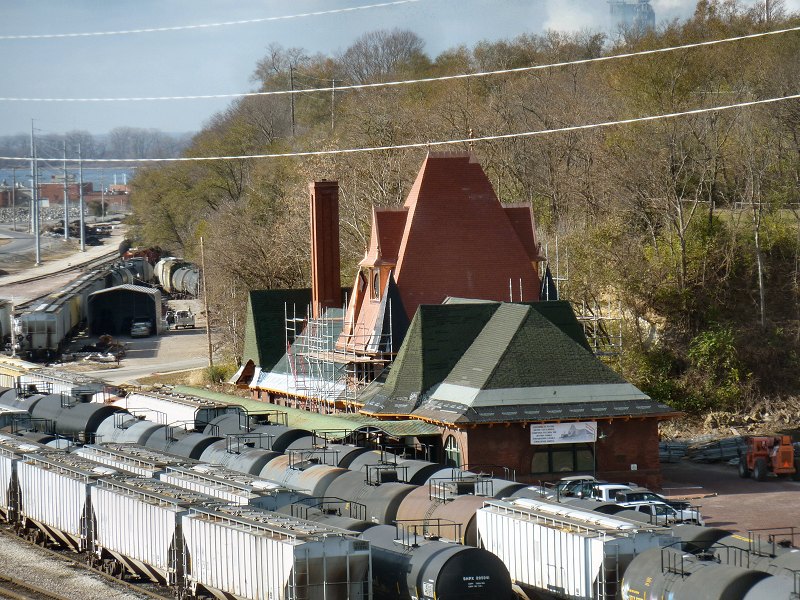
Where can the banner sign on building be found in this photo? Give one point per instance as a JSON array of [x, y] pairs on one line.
[[563, 433]]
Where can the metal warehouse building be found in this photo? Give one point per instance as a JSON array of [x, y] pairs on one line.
[[111, 311]]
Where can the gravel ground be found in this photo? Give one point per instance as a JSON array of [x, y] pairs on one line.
[[37, 567]]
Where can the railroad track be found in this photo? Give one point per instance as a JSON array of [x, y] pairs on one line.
[[88, 265], [16, 589]]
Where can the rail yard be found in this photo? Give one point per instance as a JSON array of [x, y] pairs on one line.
[[227, 473], [188, 495]]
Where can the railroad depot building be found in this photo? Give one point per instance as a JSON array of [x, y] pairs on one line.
[[443, 327]]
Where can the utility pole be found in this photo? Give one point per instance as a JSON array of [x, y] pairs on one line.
[[205, 304], [333, 100], [14, 197], [80, 199], [66, 195], [102, 196], [13, 334], [35, 198], [291, 95]]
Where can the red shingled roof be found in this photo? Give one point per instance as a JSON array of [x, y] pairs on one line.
[[452, 238], [387, 232], [459, 241], [521, 219]]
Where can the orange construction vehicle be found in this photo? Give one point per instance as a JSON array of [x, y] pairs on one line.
[[769, 454]]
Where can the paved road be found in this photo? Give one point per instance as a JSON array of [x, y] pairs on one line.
[[741, 504], [174, 350], [21, 247]]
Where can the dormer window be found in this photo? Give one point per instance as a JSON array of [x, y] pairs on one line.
[[376, 285]]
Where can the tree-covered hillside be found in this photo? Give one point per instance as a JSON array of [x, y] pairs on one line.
[[690, 223]]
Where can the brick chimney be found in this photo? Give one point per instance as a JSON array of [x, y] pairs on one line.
[[326, 287]]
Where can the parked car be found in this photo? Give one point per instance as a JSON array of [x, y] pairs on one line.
[[607, 492], [579, 486], [141, 328], [640, 494], [663, 514]]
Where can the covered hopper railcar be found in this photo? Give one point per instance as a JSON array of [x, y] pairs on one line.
[[276, 557], [42, 326]]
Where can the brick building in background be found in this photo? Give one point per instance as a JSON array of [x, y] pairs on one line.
[[53, 191], [505, 380]]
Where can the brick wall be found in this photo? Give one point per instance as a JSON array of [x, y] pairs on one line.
[[621, 444], [633, 442]]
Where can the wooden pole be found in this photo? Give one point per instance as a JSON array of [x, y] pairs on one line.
[[205, 304]]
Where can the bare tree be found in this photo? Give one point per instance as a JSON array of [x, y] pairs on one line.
[[377, 55]]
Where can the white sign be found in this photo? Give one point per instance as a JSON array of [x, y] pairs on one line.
[[563, 433]]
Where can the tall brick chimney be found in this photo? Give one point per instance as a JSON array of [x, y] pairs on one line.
[[326, 287]]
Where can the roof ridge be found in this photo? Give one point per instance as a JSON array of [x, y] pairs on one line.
[[492, 327]]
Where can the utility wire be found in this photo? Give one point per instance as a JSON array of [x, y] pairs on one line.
[[204, 25], [504, 136], [359, 86]]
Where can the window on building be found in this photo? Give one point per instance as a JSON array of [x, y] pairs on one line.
[[452, 452], [563, 458], [376, 284]]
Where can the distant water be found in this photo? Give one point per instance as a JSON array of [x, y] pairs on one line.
[[96, 176]]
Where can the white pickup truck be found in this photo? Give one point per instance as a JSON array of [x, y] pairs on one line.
[[184, 318]]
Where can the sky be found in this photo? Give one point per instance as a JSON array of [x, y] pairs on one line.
[[220, 60]]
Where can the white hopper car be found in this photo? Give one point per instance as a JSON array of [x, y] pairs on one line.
[[553, 550]]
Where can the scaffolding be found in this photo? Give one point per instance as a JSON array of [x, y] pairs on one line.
[[602, 324], [325, 375]]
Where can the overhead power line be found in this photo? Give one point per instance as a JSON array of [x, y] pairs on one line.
[[359, 86], [486, 138], [42, 36]]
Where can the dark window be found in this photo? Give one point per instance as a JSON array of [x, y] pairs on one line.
[[452, 452], [376, 285], [563, 458]]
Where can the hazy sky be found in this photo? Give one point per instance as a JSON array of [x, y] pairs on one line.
[[221, 59]]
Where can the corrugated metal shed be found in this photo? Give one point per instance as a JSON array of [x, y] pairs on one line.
[[116, 321]]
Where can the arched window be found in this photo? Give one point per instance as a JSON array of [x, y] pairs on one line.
[[376, 284], [452, 452]]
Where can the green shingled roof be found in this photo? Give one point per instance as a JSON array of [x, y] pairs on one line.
[[437, 338], [519, 348], [265, 330], [499, 362]]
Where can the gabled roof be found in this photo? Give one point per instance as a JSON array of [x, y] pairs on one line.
[[459, 240], [265, 329], [437, 338], [452, 237], [387, 232], [508, 363]]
